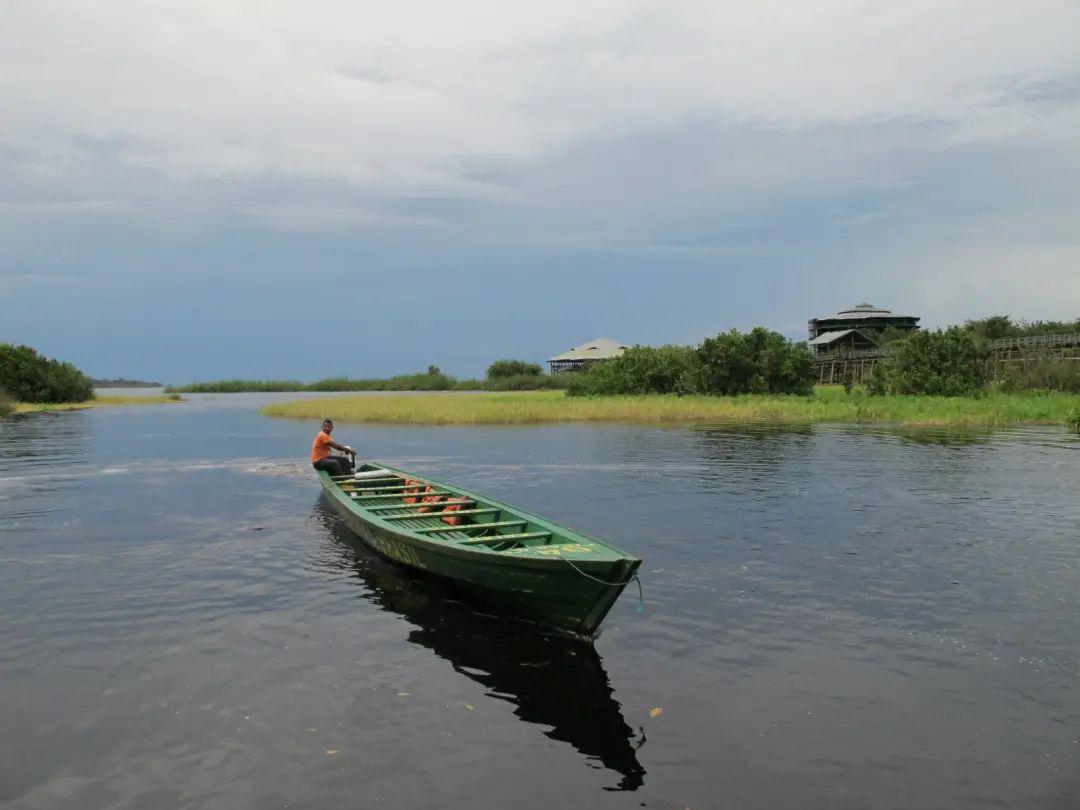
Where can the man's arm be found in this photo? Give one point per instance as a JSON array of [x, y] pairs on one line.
[[344, 448]]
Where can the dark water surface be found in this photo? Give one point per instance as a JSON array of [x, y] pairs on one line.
[[835, 617]]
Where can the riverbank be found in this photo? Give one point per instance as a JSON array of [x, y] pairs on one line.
[[99, 402], [828, 404]]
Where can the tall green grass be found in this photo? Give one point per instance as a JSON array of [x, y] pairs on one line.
[[825, 405], [520, 382], [1072, 419]]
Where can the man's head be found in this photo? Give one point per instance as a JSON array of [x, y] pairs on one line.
[[327, 425]]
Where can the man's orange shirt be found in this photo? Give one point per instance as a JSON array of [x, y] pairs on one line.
[[320, 448]]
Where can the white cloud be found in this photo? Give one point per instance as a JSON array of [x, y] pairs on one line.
[[661, 126], [305, 217], [1036, 283], [394, 95]]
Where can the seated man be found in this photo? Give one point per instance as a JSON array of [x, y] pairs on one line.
[[320, 452]]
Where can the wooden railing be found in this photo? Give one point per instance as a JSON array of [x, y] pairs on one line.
[[1037, 341], [853, 354], [1052, 341]]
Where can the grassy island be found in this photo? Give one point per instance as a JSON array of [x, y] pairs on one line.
[[97, 402], [826, 404], [31, 382]]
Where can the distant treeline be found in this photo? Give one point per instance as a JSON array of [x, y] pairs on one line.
[[502, 375], [121, 382], [995, 327]]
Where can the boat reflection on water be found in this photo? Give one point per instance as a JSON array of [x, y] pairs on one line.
[[552, 681]]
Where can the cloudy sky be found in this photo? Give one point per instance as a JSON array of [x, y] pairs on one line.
[[192, 190]]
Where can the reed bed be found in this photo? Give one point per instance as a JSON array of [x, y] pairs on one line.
[[826, 405], [402, 382], [97, 402]]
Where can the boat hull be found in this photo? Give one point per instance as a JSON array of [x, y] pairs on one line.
[[572, 597]]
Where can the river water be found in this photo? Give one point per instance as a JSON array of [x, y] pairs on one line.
[[833, 617]]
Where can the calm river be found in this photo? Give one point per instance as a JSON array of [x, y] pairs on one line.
[[834, 617]]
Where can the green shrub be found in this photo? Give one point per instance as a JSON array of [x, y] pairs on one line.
[[638, 370], [1044, 374], [513, 368], [757, 362], [29, 377], [992, 327], [1072, 419], [7, 406], [891, 334], [946, 363], [525, 382], [1003, 326], [596, 380]]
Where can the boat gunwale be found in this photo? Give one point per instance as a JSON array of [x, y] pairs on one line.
[[436, 544]]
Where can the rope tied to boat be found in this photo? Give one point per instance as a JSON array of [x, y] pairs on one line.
[[635, 578]]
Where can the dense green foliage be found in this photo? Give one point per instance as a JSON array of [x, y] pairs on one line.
[[1072, 418], [954, 362], [30, 377], [638, 370], [890, 334], [513, 368], [1040, 374], [7, 406], [947, 363], [757, 362], [1003, 326], [520, 382]]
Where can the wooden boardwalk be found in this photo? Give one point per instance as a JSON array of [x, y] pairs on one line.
[[855, 366]]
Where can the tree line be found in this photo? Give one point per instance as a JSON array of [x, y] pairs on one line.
[[756, 362], [995, 327], [943, 362], [502, 375]]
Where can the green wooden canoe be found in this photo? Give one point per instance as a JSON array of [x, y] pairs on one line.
[[523, 564]]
